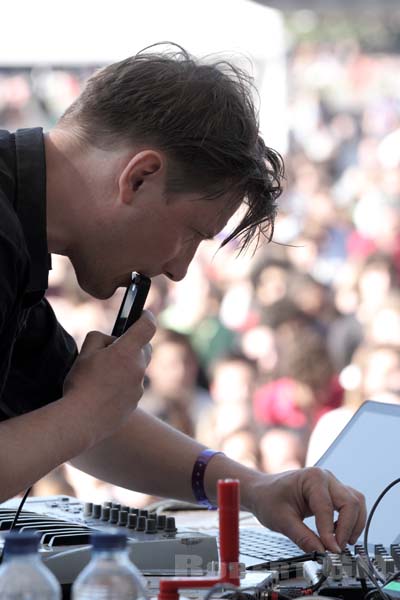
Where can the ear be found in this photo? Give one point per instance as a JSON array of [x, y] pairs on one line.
[[145, 167]]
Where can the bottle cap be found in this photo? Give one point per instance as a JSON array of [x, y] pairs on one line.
[[21, 543], [108, 540]]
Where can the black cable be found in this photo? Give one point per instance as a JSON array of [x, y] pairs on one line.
[[313, 588], [363, 583], [16, 517], [371, 571], [371, 593], [370, 576], [367, 526], [272, 565], [392, 577], [220, 587], [20, 507]]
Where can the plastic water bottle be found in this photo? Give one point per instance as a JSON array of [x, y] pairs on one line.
[[23, 576], [110, 575]]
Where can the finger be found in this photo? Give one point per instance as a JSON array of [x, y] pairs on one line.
[[302, 535], [140, 332], [147, 351], [347, 502], [360, 524], [95, 340], [317, 493], [321, 506], [351, 518]]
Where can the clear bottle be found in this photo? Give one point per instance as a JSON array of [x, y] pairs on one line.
[[23, 576], [110, 575]]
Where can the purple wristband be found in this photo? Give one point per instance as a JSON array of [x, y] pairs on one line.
[[199, 468]]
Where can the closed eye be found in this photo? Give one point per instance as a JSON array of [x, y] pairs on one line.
[[205, 236], [202, 235]]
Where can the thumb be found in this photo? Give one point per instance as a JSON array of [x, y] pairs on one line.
[[302, 535], [140, 332]]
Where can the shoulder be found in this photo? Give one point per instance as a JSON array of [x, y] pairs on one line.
[[14, 259], [7, 163], [325, 432], [11, 234], [12, 239]]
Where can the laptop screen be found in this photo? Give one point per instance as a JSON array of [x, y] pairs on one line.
[[366, 455]]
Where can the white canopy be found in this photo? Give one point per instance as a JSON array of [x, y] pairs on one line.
[[96, 32], [100, 31]]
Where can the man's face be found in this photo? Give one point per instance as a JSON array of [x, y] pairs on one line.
[[152, 236]]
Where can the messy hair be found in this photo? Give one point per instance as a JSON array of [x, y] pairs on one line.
[[201, 115]]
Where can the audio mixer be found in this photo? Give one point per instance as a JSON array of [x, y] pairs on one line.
[[159, 548], [65, 524]]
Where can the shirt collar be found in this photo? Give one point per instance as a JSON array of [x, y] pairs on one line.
[[31, 203]]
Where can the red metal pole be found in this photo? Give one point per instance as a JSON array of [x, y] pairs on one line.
[[228, 505]]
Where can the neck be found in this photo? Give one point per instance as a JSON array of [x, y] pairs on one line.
[[63, 183], [81, 179]]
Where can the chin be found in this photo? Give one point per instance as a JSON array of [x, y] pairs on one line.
[[100, 292], [94, 285]]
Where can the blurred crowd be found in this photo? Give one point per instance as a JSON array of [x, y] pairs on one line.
[[266, 355]]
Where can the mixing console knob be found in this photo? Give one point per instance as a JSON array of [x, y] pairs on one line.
[[170, 525], [161, 521], [151, 526], [143, 513], [336, 569], [96, 513], [114, 515], [124, 508], [105, 513], [123, 518], [88, 509], [134, 511], [389, 565], [109, 504], [359, 549], [141, 523], [132, 521], [116, 505], [395, 552]]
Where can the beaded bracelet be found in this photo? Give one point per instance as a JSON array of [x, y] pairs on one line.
[[199, 468]]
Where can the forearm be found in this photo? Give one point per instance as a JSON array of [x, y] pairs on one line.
[[149, 456], [33, 444], [101, 390]]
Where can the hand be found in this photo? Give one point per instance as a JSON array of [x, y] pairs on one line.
[[105, 383], [282, 501]]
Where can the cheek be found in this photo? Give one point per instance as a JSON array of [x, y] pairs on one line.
[[165, 238]]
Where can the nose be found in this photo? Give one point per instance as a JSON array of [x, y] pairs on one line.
[[177, 267]]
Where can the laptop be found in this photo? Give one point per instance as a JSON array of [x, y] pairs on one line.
[[364, 455]]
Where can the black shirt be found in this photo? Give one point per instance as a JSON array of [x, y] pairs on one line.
[[36, 353]]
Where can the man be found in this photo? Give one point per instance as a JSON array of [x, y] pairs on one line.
[[155, 156]]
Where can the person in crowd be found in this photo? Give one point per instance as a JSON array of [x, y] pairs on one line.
[[374, 374], [154, 156], [305, 387], [228, 424], [270, 279], [383, 326], [172, 394], [374, 281], [282, 448]]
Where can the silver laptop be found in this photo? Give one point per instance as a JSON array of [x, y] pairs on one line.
[[364, 455]]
